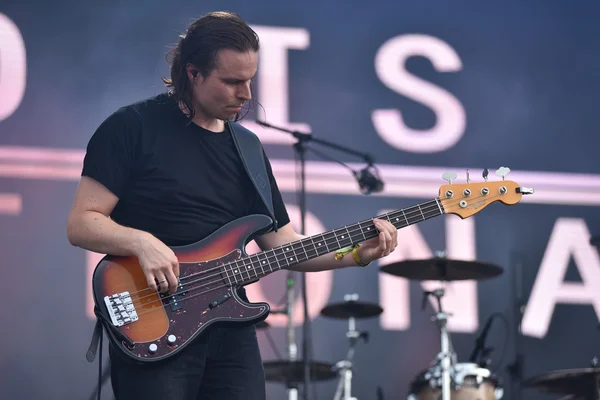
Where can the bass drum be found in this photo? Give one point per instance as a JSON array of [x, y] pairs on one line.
[[468, 381]]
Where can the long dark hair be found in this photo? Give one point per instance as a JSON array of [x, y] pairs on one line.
[[199, 46]]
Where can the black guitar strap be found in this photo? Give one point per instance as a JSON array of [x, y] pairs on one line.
[[251, 152]]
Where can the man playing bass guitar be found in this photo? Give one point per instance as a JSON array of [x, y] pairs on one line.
[[166, 172]]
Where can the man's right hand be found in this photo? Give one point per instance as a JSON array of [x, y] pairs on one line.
[[159, 263]]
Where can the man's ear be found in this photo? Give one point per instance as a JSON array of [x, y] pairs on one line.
[[191, 71]]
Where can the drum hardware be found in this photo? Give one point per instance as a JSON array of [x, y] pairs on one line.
[[469, 382], [445, 356], [582, 383], [481, 353], [291, 371], [447, 374], [350, 309], [442, 269]]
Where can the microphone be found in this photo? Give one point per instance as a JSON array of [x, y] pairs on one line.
[[368, 178], [369, 182], [480, 341]]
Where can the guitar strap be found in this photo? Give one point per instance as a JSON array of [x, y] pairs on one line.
[[251, 153]]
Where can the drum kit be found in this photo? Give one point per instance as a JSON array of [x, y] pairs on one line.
[[445, 379], [292, 372]]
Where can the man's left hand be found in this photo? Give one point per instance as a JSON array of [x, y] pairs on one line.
[[381, 245]]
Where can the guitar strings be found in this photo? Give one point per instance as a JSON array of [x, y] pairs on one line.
[[397, 212], [277, 257], [192, 296], [197, 287]]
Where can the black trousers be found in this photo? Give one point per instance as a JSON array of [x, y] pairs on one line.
[[223, 363]]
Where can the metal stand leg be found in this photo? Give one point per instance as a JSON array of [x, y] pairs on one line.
[[344, 387], [291, 341], [445, 356], [292, 392], [445, 348]]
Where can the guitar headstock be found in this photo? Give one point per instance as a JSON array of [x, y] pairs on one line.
[[466, 199]]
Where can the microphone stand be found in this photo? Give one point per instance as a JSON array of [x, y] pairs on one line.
[[300, 148]]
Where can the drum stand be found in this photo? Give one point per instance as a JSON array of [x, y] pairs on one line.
[[292, 387], [345, 366], [445, 356]]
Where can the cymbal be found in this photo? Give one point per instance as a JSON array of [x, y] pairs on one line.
[[293, 371], [442, 269], [351, 308], [577, 382]]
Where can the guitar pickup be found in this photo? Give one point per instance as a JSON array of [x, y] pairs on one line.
[[219, 301], [174, 301], [175, 304]]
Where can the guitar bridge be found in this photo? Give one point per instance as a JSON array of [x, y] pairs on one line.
[[120, 308]]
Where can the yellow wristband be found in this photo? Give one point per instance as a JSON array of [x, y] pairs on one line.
[[342, 252], [356, 257]]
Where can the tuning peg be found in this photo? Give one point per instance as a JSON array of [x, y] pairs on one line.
[[440, 253], [468, 177], [503, 171], [485, 174], [351, 297], [449, 176]]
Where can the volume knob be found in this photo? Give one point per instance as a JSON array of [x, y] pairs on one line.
[[171, 339], [152, 348]]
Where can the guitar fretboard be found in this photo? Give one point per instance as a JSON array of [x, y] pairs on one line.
[[261, 264]]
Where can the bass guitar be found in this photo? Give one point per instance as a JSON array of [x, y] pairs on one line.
[[150, 326]]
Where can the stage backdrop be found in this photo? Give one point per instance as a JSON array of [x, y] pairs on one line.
[[425, 87]]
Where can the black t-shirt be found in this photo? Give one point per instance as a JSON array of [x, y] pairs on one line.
[[175, 180]]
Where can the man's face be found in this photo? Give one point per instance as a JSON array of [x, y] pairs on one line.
[[221, 94]]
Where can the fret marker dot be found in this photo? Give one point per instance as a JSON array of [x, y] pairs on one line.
[[368, 229], [396, 219], [264, 262], [235, 271], [287, 248], [319, 244], [343, 236], [291, 259], [248, 267]]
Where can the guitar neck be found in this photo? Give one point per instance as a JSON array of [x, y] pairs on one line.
[[261, 264]]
